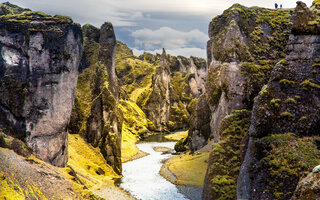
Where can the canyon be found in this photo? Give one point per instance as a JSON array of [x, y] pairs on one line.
[[75, 101]]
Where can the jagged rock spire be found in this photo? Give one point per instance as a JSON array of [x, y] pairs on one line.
[[163, 60]]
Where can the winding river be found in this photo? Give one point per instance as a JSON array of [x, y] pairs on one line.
[[141, 177]]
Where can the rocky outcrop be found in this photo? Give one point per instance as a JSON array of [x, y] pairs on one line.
[[285, 121], [244, 45], [157, 106], [176, 85], [199, 129], [197, 67], [40, 55], [309, 187], [224, 160], [96, 115]]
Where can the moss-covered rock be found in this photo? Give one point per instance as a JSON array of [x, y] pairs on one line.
[[182, 145], [38, 74], [224, 160], [282, 148], [245, 34], [96, 114]]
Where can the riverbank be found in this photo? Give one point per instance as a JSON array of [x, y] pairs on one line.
[[88, 169], [186, 169]]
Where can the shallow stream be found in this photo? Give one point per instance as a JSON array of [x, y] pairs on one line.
[[141, 177]]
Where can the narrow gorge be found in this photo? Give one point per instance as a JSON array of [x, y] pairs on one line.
[[83, 116]]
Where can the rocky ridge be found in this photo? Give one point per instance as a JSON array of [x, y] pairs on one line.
[[96, 115]]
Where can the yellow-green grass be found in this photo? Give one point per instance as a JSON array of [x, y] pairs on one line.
[[188, 169], [128, 144], [9, 190], [88, 163], [135, 123], [136, 93], [177, 136]]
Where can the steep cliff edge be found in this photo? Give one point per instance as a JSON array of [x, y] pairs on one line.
[[96, 115], [283, 136], [245, 43], [40, 55]]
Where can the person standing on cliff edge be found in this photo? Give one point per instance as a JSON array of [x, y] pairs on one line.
[[276, 5], [280, 6]]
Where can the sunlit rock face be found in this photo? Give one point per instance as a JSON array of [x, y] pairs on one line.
[[39, 63], [96, 115]]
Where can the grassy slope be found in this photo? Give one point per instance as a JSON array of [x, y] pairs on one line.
[[177, 136]]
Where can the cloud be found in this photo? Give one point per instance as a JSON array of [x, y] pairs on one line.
[[166, 37]]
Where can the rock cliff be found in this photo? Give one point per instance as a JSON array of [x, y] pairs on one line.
[[244, 45], [96, 115], [40, 55], [283, 135], [184, 80], [157, 106]]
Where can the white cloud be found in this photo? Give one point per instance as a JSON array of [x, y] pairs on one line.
[[168, 38], [186, 52]]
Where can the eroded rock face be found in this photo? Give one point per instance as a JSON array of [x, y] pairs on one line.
[[39, 63], [183, 79], [199, 129], [158, 104], [309, 187], [198, 68], [285, 118], [241, 53], [96, 115]]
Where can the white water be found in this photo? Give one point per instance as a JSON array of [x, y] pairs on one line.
[[142, 179]]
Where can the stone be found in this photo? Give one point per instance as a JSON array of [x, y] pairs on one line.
[[96, 114], [38, 75], [286, 112]]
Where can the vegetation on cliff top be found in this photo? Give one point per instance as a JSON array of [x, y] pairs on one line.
[[14, 14], [265, 33]]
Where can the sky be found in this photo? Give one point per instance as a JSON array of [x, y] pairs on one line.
[[179, 26]]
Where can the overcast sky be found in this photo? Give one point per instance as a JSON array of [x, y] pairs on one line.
[[180, 26]]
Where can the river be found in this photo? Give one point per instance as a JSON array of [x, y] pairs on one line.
[[141, 177]]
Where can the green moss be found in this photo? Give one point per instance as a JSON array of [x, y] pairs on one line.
[[214, 87], [303, 118], [309, 83], [287, 158], [192, 105], [16, 145], [224, 162], [290, 100], [286, 81], [179, 117], [275, 103], [182, 145], [9, 190], [264, 91], [317, 65], [286, 114]]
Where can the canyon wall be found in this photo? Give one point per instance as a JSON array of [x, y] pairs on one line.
[[96, 114], [283, 135], [40, 55]]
